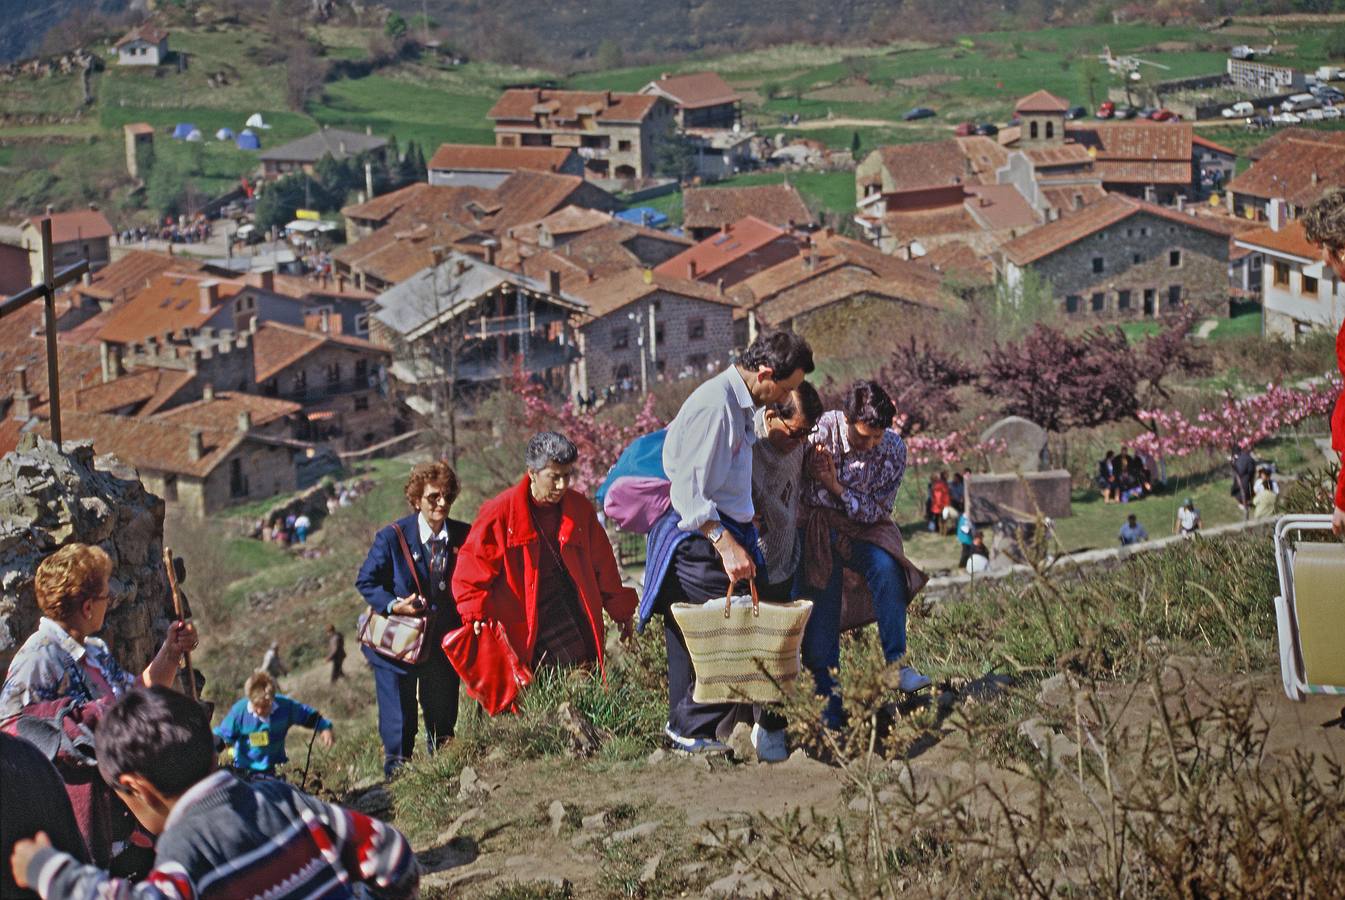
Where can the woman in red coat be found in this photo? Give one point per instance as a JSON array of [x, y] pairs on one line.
[[1324, 223], [538, 561]]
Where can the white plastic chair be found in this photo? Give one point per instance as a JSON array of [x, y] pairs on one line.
[[1310, 610]]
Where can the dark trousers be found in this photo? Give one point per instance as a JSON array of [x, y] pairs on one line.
[[396, 691], [337, 663], [697, 576]]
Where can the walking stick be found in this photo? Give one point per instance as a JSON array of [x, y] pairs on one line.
[[177, 609]]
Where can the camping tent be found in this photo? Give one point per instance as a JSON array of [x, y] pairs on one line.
[[248, 141], [182, 130], [195, 135], [255, 121], [224, 134]]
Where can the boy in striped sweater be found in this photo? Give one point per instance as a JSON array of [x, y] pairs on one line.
[[218, 837]]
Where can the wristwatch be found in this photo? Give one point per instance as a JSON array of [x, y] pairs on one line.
[[716, 533]]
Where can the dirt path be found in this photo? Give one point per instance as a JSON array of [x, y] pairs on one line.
[[816, 124]]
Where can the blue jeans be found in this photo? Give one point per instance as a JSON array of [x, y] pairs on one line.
[[822, 638]]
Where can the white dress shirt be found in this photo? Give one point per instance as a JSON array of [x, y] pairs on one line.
[[708, 453]]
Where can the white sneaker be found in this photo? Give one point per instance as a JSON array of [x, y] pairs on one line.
[[693, 744], [770, 745], [910, 681]]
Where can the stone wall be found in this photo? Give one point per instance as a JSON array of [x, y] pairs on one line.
[[610, 345], [49, 499]]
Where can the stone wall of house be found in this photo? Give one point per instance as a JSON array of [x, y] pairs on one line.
[[860, 325], [1135, 258], [691, 333], [266, 471], [49, 499]]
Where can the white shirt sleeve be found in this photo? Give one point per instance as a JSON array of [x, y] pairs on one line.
[[697, 456]]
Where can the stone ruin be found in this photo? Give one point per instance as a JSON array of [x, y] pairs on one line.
[[49, 498], [1017, 487]]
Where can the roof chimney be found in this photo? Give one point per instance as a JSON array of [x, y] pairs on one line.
[[490, 252], [1181, 203], [719, 287], [691, 269], [607, 97], [1150, 193], [1078, 201], [22, 399], [209, 295], [1275, 211], [325, 321], [195, 445], [1314, 176], [267, 279], [245, 421], [51, 210], [208, 392], [552, 281]]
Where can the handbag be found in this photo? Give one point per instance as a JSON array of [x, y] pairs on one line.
[[399, 638], [743, 652], [488, 666]]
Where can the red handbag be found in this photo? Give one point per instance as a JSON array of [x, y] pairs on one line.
[[488, 666]]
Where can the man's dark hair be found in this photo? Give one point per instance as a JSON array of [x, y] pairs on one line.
[[804, 398], [867, 402], [1324, 221], [783, 352], [548, 447], [158, 734]]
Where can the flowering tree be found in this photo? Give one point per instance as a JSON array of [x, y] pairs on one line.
[[923, 381], [1238, 420]]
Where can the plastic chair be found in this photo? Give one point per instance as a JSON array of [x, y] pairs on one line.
[[1310, 610]]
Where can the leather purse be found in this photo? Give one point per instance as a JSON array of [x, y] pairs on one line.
[[399, 638], [488, 666]]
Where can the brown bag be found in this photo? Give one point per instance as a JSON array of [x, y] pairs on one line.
[[399, 638]]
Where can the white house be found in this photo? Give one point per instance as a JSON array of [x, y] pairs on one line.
[[144, 45], [1299, 291]]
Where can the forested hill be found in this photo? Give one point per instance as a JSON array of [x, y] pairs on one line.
[[27, 22]]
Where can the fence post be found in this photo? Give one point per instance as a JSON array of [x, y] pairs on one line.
[[49, 301]]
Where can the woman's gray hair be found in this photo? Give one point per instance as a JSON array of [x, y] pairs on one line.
[[548, 447]]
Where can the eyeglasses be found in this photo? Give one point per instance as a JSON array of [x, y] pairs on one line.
[[436, 499]]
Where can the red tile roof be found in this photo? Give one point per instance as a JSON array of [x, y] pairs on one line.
[[1063, 197], [1288, 241], [172, 302], [1112, 209], [920, 166], [1000, 206], [566, 106], [728, 246], [149, 443], [78, 365], [132, 273], [1041, 102], [77, 225], [275, 347], [138, 128], [223, 410], [570, 220], [1059, 155], [1298, 169], [924, 223], [1211, 145], [133, 388], [715, 207], [609, 294], [149, 32], [696, 90], [960, 261], [1140, 141], [485, 158]]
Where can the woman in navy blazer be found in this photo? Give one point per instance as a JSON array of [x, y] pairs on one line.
[[388, 584]]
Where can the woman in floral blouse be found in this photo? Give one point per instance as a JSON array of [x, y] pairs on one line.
[[63, 678]]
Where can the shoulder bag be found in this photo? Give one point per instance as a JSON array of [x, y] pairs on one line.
[[399, 638]]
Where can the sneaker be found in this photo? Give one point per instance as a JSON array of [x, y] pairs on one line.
[[909, 680], [770, 745], [693, 744]]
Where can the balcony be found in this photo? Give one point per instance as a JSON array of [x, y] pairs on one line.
[[318, 393]]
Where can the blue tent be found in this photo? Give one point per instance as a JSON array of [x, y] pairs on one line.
[[224, 134], [643, 215], [182, 130], [248, 141]]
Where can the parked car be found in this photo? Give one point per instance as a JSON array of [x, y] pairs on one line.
[[1286, 118], [1311, 115], [1300, 102], [1106, 110], [987, 129], [966, 129], [1125, 112], [920, 112], [1076, 112], [1331, 112], [1163, 115], [1329, 95], [1239, 110], [1146, 112]]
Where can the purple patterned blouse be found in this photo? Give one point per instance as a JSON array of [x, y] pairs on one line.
[[869, 480]]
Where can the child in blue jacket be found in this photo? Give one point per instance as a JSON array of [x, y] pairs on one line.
[[256, 726]]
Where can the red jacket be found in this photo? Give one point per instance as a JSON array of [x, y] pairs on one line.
[[1338, 421], [496, 574]]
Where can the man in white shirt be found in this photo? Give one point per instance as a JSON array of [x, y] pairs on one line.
[[708, 459]]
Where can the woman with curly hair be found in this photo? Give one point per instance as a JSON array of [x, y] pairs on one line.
[[1324, 224], [407, 573]]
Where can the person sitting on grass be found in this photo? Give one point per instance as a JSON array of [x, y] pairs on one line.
[[1324, 225], [219, 838], [256, 726]]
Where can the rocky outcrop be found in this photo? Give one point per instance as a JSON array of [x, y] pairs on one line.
[[49, 498]]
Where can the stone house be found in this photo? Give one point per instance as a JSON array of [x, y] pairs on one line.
[[1299, 292], [614, 133], [337, 379], [302, 154], [15, 275], [701, 100], [144, 45], [472, 165], [1297, 169], [738, 251], [198, 471], [706, 210], [75, 235], [1125, 258]]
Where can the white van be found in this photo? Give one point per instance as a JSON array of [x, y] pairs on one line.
[[1239, 110], [1330, 73], [1300, 102]]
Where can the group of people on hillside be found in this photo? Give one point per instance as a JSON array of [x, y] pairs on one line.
[[764, 484], [947, 510], [1124, 476]]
